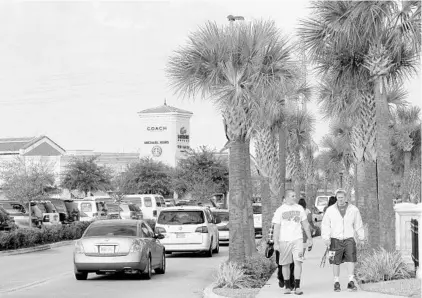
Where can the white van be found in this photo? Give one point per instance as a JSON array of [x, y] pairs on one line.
[[94, 207], [150, 204], [321, 202]]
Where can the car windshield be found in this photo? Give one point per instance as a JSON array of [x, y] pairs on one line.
[[41, 206], [257, 209], [50, 207], [322, 201], [109, 230], [179, 217], [13, 208], [224, 216], [59, 205], [71, 206], [112, 207], [133, 207]]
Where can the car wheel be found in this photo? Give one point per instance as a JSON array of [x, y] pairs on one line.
[[208, 253], [81, 275], [147, 274], [217, 248], [162, 268]]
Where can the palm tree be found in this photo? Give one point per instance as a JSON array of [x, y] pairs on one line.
[[377, 42], [234, 66], [406, 128]]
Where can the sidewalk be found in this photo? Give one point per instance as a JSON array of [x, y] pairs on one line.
[[317, 281]]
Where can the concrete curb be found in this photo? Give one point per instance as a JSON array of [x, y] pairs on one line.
[[208, 292], [35, 248]]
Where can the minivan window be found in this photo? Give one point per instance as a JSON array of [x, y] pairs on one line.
[[160, 201], [133, 207], [86, 207], [224, 216], [177, 217], [111, 230], [148, 202]]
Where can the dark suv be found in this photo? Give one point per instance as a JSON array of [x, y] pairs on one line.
[[7, 222], [67, 210]]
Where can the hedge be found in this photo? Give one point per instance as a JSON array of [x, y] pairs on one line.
[[21, 238]]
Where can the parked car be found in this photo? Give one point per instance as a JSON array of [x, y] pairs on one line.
[[7, 222], [93, 207], [223, 226], [127, 246], [113, 211], [67, 209], [151, 204], [189, 229], [257, 218], [170, 202], [49, 214], [318, 211], [130, 211], [20, 213]]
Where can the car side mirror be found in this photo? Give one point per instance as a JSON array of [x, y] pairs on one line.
[[159, 236]]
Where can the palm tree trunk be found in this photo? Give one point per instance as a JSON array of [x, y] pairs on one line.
[[368, 200], [282, 143], [238, 192], [249, 229], [406, 172], [267, 212], [356, 183], [384, 169]]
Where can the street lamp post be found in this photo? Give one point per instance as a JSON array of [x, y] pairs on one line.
[[341, 179]]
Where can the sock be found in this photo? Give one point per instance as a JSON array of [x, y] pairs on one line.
[[297, 283], [336, 279], [287, 284], [351, 277]]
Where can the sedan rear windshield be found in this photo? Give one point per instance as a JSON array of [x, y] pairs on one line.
[[322, 201], [113, 207], [224, 216], [181, 217], [111, 230]]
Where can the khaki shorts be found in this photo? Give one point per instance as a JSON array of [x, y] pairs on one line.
[[291, 251]]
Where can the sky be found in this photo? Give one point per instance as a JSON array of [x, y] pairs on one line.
[[79, 72]]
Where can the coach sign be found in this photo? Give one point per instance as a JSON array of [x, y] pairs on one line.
[[156, 128]]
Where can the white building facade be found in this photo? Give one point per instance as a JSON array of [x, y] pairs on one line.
[[165, 133]]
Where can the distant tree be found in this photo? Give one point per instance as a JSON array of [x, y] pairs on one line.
[[24, 181], [146, 177], [85, 175], [202, 174]]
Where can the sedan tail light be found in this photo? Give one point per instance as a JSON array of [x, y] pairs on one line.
[[201, 230], [159, 230], [136, 247], [79, 248]]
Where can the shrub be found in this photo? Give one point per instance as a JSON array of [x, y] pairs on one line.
[[380, 265], [21, 238], [231, 275], [259, 269]]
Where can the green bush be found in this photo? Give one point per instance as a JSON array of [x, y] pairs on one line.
[[21, 238], [259, 269], [231, 275], [380, 265]]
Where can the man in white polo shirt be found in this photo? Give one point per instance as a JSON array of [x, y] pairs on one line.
[[338, 228], [288, 221]]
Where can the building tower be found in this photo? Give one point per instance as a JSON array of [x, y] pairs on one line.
[[165, 133]]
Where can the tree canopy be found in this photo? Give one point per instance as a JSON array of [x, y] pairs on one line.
[[85, 175], [202, 174], [145, 177], [25, 181]]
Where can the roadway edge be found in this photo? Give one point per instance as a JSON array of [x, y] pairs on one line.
[[209, 293], [35, 248]]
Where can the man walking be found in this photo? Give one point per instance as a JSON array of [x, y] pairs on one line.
[[288, 221], [338, 228]]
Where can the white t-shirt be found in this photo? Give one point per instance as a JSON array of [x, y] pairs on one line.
[[290, 218]]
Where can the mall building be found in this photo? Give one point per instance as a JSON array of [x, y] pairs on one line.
[[164, 136]]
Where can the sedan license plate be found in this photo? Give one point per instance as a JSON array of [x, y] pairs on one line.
[[106, 249], [180, 235]]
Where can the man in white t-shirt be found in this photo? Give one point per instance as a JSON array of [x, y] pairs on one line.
[[288, 221]]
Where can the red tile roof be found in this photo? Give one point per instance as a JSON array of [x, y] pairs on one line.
[[164, 109]]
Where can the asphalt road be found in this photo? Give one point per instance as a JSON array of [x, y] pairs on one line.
[[49, 274]]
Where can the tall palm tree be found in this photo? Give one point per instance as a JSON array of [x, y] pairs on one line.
[[234, 66], [377, 42]]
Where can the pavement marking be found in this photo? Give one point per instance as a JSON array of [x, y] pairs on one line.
[[33, 284]]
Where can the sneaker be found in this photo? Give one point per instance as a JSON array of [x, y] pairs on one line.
[[351, 286], [287, 291], [337, 287], [281, 283], [298, 291]]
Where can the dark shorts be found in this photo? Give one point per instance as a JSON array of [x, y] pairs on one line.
[[344, 251]]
